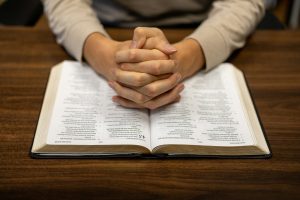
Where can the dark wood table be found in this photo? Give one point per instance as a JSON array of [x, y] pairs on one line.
[[271, 62]]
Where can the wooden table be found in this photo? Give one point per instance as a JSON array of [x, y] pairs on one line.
[[271, 62]]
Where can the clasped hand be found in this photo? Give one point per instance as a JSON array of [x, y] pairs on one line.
[[148, 77], [145, 72]]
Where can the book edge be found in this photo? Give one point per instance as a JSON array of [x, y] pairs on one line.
[[40, 137], [249, 94]]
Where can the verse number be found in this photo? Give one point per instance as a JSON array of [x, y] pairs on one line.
[[141, 137]]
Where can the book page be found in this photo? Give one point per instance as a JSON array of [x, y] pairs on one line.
[[84, 113], [209, 113]]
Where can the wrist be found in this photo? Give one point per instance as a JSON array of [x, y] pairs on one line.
[[95, 44], [189, 56], [98, 52]]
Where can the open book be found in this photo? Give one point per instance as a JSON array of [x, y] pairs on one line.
[[215, 117]]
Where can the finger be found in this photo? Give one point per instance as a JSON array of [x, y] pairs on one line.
[[135, 79], [161, 44], [159, 77], [126, 103], [140, 35], [165, 98], [154, 67], [139, 55], [160, 86], [154, 38], [128, 93]]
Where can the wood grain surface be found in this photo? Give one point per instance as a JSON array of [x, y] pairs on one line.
[[271, 63]]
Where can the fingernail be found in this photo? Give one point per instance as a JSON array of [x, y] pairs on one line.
[[170, 48], [133, 44]]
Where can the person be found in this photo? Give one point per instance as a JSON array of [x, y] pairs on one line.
[[147, 72]]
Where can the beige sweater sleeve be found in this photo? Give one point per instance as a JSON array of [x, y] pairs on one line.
[[228, 24], [72, 21]]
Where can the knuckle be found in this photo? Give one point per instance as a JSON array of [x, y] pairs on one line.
[[151, 91], [139, 30], [156, 68], [140, 98], [139, 80], [151, 106], [158, 31], [132, 54]]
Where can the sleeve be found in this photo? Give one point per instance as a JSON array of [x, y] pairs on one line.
[[72, 21], [228, 24]]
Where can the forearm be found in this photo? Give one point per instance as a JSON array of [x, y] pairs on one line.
[[226, 28], [94, 50], [72, 21]]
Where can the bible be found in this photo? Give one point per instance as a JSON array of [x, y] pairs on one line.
[[215, 117]]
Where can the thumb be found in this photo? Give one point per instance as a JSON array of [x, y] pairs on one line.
[[161, 44], [138, 41], [167, 48]]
